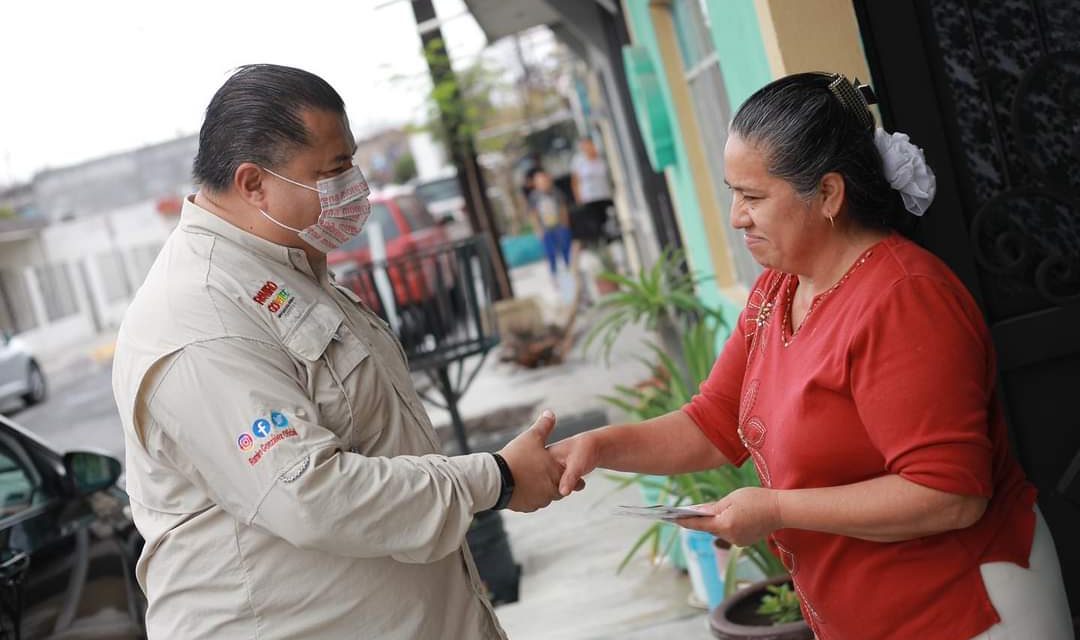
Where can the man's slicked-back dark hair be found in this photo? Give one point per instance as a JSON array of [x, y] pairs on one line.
[[256, 117]]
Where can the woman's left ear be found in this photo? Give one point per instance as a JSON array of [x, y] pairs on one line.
[[832, 194]]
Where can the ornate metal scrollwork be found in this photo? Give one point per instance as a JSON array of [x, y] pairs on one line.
[[1046, 120], [1034, 235]]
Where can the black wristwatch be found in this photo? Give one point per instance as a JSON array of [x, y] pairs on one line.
[[507, 488]]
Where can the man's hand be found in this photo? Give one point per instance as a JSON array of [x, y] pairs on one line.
[[536, 472], [742, 518], [579, 455]]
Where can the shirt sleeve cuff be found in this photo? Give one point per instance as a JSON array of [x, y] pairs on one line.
[[954, 468], [482, 478], [729, 444]]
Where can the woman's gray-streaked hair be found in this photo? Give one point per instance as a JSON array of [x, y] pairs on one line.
[[811, 124]]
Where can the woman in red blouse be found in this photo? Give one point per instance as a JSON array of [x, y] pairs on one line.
[[860, 380]]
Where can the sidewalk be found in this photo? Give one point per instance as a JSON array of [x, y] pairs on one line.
[[569, 554], [570, 551], [570, 389]]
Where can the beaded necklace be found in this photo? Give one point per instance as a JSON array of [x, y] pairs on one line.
[[789, 333]]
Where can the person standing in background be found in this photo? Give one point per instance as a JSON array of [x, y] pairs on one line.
[[552, 220], [592, 193]]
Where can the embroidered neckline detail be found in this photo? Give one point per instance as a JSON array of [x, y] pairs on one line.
[[788, 333]]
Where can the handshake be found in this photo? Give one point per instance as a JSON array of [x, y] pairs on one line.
[[544, 474]]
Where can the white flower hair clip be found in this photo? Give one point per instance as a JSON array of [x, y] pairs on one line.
[[906, 170], [904, 163]]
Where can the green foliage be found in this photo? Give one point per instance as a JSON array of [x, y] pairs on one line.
[[651, 297], [699, 351], [781, 604], [758, 553], [7, 213], [657, 297], [698, 345], [460, 103], [404, 169]]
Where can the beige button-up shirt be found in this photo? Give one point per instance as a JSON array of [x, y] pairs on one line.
[[280, 465]]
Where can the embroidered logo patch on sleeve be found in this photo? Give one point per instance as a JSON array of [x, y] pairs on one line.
[[265, 436], [269, 444], [245, 442], [261, 428], [279, 419]]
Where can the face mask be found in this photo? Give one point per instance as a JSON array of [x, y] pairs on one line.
[[344, 208]]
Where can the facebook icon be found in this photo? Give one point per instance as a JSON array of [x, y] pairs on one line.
[[261, 428]]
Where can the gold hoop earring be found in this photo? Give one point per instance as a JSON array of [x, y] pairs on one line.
[[832, 221]]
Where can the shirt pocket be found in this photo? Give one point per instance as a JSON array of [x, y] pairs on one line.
[[313, 342], [364, 389]]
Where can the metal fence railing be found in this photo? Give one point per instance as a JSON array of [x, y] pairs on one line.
[[439, 303]]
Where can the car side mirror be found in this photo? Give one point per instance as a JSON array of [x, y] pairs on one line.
[[91, 472], [446, 220]]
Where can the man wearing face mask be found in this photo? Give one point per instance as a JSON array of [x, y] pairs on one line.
[[280, 465]]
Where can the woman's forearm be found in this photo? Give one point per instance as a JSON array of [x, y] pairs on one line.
[[885, 509], [666, 445]]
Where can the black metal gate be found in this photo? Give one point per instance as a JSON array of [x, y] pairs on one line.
[[991, 89]]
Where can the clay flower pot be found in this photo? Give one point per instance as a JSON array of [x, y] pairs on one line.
[[737, 618]]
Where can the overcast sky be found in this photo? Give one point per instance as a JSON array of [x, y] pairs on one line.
[[84, 79]]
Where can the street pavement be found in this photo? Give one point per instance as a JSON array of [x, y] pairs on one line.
[[79, 412], [570, 590]]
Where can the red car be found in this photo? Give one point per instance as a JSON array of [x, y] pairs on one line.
[[418, 279]]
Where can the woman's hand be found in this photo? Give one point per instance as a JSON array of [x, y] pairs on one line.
[[742, 518], [666, 445], [579, 455]]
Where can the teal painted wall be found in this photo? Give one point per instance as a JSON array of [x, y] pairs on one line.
[[737, 38], [687, 207], [736, 35]]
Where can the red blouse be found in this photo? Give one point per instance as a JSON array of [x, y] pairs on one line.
[[892, 371]]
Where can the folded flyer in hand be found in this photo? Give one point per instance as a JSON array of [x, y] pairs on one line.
[[659, 512]]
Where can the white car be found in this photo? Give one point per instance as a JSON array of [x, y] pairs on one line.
[[20, 374], [442, 197], [445, 202]]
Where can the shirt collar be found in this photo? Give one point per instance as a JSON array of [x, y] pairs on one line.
[[192, 216]]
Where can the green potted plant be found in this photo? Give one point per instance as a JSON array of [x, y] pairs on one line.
[[660, 396], [766, 610], [661, 297]]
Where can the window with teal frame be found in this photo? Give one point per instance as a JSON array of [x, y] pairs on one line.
[[646, 92], [701, 69]]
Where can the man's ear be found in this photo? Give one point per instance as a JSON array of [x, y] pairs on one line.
[[247, 181]]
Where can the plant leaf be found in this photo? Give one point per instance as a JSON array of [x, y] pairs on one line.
[[651, 533]]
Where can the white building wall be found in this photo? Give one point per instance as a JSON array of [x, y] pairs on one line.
[[19, 253], [54, 338], [132, 235], [140, 224], [429, 156]]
